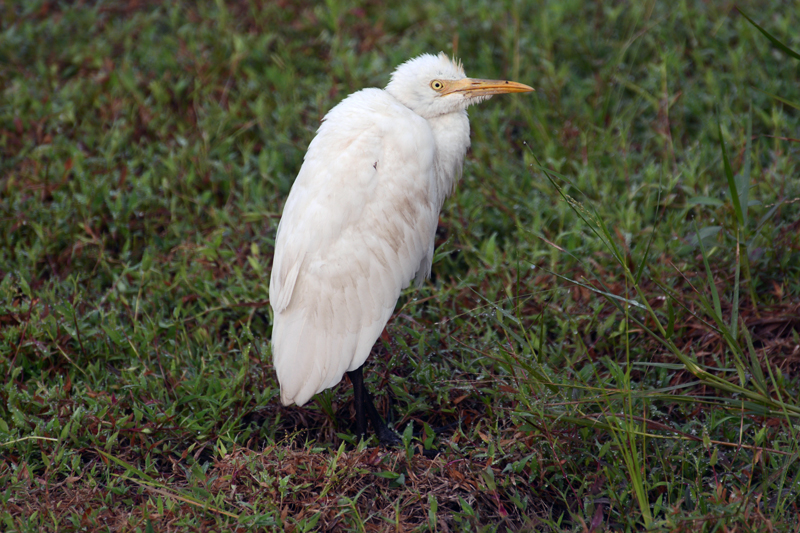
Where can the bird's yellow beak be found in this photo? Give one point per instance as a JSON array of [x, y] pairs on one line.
[[478, 87]]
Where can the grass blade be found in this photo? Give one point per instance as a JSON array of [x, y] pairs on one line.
[[732, 188], [778, 44]]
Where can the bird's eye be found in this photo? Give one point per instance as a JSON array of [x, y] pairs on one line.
[[436, 85]]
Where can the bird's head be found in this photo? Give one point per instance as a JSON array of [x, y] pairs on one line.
[[433, 85]]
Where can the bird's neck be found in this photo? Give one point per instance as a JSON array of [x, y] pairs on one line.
[[451, 134]]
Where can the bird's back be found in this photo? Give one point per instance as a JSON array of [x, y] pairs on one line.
[[357, 226]]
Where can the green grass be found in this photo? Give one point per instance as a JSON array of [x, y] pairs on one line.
[[613, 318]]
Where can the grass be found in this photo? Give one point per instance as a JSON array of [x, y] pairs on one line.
[[613, 320]]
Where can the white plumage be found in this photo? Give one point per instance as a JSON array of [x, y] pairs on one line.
[[360, 220]]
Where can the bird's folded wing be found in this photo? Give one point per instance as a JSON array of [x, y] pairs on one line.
[[357, 225]]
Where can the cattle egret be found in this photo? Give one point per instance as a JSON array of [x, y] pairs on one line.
[[360, 220]]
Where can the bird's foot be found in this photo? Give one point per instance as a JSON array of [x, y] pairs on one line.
[[365, 408], [387, 437], [439, 429], [390, 439]]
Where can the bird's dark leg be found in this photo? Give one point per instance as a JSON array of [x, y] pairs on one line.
[[357, 379], [363, 402]]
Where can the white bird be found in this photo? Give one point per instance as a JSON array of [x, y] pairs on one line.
[[360, 220]]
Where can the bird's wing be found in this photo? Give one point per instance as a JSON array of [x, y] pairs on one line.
[[359, 221]]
